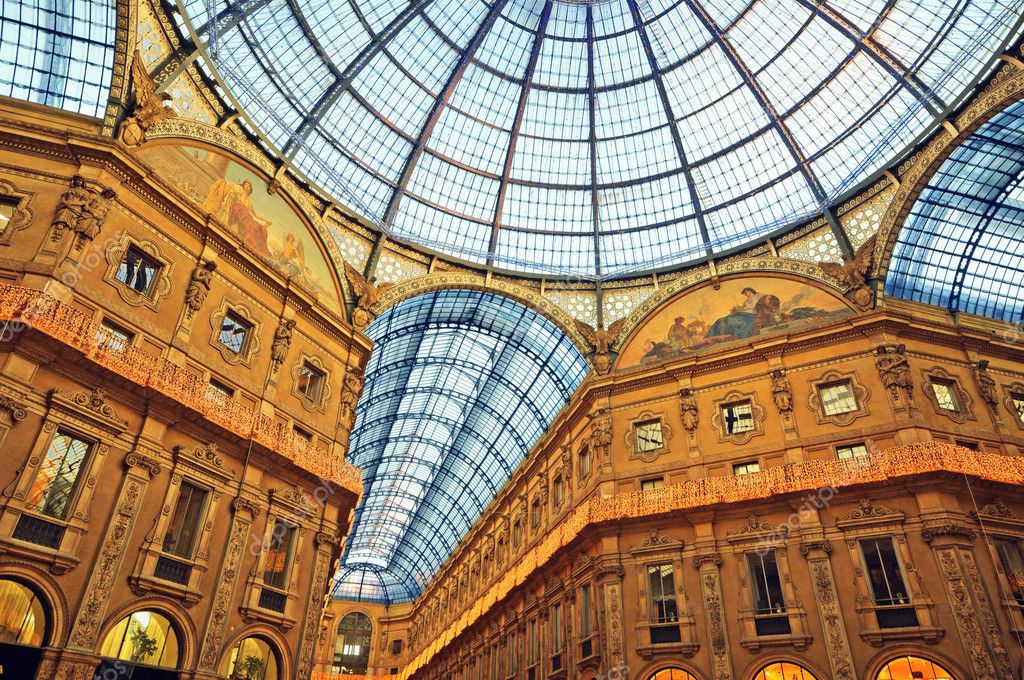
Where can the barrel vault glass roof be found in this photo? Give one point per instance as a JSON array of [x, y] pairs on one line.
[[962, 247], [459, 387], [594, 138], [60, 54]]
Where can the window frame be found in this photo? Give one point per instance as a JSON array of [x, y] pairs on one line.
[[237, 321], [143, 260]]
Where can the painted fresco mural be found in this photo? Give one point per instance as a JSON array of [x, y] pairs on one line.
[[238, 198], [740, 309]]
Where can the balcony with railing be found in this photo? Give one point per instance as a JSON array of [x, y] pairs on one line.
[[22, 308]]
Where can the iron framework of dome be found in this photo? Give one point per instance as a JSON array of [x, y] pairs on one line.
[[459, 387], [597, 138]]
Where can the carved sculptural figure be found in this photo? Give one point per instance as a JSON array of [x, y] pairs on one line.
[[986, 384], [282, 341], [601, 340], [199, 286], [94, 214], [601, 431], [352, 387], [367, 294], [853, 272], [894, 370], [782, 394], [688, 409], [70, 207]]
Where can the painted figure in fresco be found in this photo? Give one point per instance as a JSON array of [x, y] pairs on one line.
[[757, 311], [232, 204]]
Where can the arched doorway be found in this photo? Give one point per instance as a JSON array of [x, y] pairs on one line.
[[253, 658], [23, 626], [352, 648], [142, 646], [913, 668], [673, 674], [784, 670]]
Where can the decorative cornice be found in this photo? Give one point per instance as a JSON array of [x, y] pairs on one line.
[[147, 463], [950, 529]]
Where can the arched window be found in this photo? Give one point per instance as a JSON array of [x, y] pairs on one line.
[[907, 667], [673, 674], [352, 648], [784, 670], [252, 659], [144, 638], [22, 617]]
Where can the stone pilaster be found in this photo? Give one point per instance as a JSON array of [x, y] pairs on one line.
[[609, 584], [714, 609], [315, 605], [837, 645]]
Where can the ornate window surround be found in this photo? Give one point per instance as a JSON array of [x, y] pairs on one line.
[[757, 535], [1001, 522], [90, 417], [325, 391], [584, 451], [204, 467], [964, 401], [757, 415], [159, 288], [861, 393], [291, 507], [252, 341], [22, 216], [632, 445], [1008, 392], [867, 521], [655, 549]]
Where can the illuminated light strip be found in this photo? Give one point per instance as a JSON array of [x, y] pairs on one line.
[[904, 461]]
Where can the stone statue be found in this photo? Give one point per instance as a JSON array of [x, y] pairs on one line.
[[986, 384], [150, 107], [688, 409], [282, 341], [199, 287], [854, 273], [94, 214], [351, 388], [69, 209], [601, 340], [601, 431], [894, 369], [782, 394], [367, 293]]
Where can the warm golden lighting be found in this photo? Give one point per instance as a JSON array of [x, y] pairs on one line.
[[784, 670], [145, 638], [913, 668], [22, 619]]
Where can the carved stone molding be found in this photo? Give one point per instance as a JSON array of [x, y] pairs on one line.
[[1009, 391], [757, 415], [148, 464], [159, 287], [633, 446], [702, 558], [655, 541], [964, 403], [714, 610], [755, 528], [15, 409], [947, 530], [252, 344], [92, 405], [221, 604], [868, 512], [837, 645], [207, 457], [325, 389], [997, 510], [966, 615], [860, 393], [22, 214]]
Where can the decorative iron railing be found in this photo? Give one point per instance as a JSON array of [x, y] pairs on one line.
[[22, 308]]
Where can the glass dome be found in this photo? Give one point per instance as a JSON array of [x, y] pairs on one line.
[[594, 138]]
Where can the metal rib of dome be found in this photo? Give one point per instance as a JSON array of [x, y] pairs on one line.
[[459, 387], [594, 139], [962, 246]]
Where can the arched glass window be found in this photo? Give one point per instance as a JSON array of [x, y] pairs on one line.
[[673, 674], [913, 667], [144, 637], [784, 670], [22, 617], [252, 659], [352, 648]]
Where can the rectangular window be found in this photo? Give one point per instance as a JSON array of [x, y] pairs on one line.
[[57, 481], [851, 451], [748, 468], [884, 572], [532, 643], [738, 417], [765, 584], [311, 381], [137, 270], [558, 490], [535, 513], [302, 434], [648, 435], [945, 394], [837, 398], [513, 653], [967, 444], [661, 584], [517, 532], [586, 463], [234, 332], [186, 521], [219, 390], [1013, 566], [112, 336], [653, 483], [279, 555], [586, 612], [1018, 404], [556, 628]]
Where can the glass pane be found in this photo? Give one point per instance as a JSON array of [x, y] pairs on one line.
[[838, 398], [137, 270], [1013, 566], [784, 671], [913, 668], [144, 637], [279, 555], [252, 658], [233, 332], [945, 395], [186, 522], [55, 484], [22, 618], [853, 451], [738, 417], [765, 584], [884, 572]]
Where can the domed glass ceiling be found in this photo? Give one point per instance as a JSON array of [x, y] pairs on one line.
[[594, 138]]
